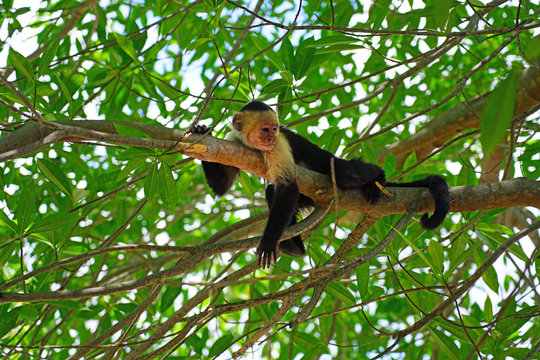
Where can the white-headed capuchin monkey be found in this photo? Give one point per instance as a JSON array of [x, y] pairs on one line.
[[257, 127]]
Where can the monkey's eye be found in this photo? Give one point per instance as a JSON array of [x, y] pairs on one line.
[[269, 129]]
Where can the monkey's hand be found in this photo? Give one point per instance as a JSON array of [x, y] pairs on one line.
[[371, 192], [266, 254], [201, 129]]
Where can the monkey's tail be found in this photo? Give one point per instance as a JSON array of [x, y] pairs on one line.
[[439, 190]]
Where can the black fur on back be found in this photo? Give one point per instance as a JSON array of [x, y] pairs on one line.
[[257, 106]]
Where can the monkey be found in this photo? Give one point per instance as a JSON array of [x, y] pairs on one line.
[[257, 126]]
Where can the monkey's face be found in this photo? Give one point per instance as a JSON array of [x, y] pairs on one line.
[[263, 137], [257, 129]]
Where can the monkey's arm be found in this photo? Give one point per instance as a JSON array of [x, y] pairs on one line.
[[283, 207], [218, 176]]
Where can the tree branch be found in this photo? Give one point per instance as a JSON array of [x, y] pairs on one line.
[[462, 117], [516, 192]]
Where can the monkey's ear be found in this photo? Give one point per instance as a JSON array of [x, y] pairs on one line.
[[237, 122]]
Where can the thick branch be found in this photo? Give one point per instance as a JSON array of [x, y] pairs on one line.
[[462, 117], [517, 192]]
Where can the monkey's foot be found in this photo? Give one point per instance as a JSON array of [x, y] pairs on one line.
[[266, 255]]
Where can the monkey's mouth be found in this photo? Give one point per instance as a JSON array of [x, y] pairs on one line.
[[268, 146]]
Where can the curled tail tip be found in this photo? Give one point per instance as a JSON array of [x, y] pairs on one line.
[[441, 194], [430, 223], [436, 219]]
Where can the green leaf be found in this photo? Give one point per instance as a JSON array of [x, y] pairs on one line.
[[126, 45], [195, 44], [307, 341], [184, 181], [457, 332], [302, 61], [218, 8], [54, 222], [488, 310], [416, 249], [459, 258], [498, 112], [167, 89], [130, 166], [287, 76], [338, 48], [378, 12], [29, 314], [437, 255], [9, 318], [275, 87], [339, 291], [287, 54], [167, 186], [411, 160], [79, 194], [362, 278], [477, 3], [39, 237], [168, 297], [466, 175], [333, 41], [325, 324], [491, 279], [151, 182], [196, 344], [508, 326], [332, 139], [490, 276], [375, 292], [64, 90], [445, 343], [537, 267], [441, 12], [7, 222], [21, 64], [6, 251], [26, 208], [54, 174], [490, 235], [47, 57], [451, 20], [221, 344], [211, 4]]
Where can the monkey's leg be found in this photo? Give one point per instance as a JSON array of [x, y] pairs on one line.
[[284, 202], [293, 246]]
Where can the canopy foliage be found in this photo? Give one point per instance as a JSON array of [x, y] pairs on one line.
[[111, 246]]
